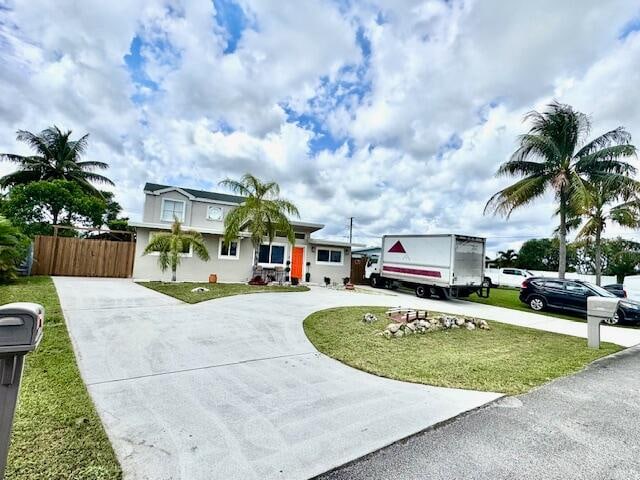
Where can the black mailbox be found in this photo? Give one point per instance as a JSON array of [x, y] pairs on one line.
[[20, 332]]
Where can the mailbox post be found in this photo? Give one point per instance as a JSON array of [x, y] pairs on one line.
[[598, 309], [20, 333]]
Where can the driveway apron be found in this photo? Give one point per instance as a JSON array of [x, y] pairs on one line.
[[231, 388]]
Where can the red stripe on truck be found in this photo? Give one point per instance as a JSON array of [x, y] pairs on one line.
[[412, 271]]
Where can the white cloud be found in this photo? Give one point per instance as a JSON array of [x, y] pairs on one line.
[[439, 73]]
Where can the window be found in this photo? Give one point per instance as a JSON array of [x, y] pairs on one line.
[[185, 252], [214, 213], [327, 255], [271, 254], [300, 236], [229, 251], [172, 209], [554, 284], [576, 288]]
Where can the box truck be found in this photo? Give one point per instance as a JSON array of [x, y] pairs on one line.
[[442, 265]]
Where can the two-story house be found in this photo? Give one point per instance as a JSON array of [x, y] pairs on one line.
[[205, 212]]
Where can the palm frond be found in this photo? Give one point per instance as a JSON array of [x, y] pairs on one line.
[[617, 136]]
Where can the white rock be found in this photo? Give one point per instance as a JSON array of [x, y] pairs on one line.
[[398, 334], [199, 290], [459, 321], [411, 326], [393, 327], [471, 326]]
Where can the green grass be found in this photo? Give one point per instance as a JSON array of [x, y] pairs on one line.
[[57, 433], [507, 358], [182, 291], [508, 298]]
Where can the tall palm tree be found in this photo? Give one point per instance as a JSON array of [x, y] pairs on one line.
[[262, 214], [555, 156], [596, 210], [56, 157], [507, 258], [171, 245]]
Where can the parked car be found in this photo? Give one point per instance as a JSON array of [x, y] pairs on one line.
[[617, 289], [505, 277], [571, 296]]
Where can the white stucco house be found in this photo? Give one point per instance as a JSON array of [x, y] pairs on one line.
[[205, 212]]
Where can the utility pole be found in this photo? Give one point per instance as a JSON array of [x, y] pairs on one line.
[[350, 229]]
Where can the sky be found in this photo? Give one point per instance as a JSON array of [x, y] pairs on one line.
[[397, 113]]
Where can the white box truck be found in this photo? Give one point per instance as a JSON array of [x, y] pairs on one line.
[[442, 265]]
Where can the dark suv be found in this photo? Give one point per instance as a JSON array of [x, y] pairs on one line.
[[541, 293]]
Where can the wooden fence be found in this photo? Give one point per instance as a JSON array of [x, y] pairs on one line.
[[82, 257], [357, 270]]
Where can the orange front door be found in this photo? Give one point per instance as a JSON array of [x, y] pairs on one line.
[[297, 258]]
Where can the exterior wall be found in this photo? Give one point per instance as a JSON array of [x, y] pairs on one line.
[[320, 270], [233, 270], [192, 268]]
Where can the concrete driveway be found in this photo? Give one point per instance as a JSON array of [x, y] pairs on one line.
[[232, 388]]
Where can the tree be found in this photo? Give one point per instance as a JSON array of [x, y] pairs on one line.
[[262, 214], [555, 156], [57, 157], [171, 245], [13, 247], [507, 258], [596, 209], [35, 206]]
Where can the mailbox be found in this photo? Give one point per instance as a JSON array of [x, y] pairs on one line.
[[20, 327], [599, 309], [20, 332]]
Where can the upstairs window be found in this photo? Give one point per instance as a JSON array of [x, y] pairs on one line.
[[271, 254], [172, 209]]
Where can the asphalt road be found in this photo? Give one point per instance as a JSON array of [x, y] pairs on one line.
[[586, 426]]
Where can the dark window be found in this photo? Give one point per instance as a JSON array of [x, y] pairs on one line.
[[227, 251], [323, 255], [576, 288], [336, 256], [508, 271], [263, 256], [300, 236], [277, 254]]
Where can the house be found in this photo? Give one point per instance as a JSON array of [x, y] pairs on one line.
[[205, 212]]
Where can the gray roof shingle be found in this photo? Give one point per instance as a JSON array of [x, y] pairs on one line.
[[222, 197]]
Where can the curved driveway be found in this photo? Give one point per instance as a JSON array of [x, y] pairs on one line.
[[232, 388]]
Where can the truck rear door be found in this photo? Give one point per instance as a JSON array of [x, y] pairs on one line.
[[468, 261]]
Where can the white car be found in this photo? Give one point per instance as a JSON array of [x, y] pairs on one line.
[[506, 277], [632, 287]]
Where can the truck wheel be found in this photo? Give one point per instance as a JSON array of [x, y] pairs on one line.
[[422, 291], [376, 282]]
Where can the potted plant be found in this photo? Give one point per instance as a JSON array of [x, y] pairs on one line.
[[287, 269]]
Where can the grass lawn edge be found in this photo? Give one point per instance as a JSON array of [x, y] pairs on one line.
[[605, 352], [182, 290]]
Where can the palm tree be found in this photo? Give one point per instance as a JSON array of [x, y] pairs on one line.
[[507, 258], [554, 155], [596, 211], [171, 245], [56, 158], [262, 214]]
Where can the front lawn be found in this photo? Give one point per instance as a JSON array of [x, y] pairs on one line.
[[57, 433], [507, 358], [182, 291]]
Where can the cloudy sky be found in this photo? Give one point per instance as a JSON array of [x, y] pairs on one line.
[[394, 112]]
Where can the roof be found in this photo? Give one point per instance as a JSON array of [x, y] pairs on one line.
[[368, 249], [222, 197], [332, 243]]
